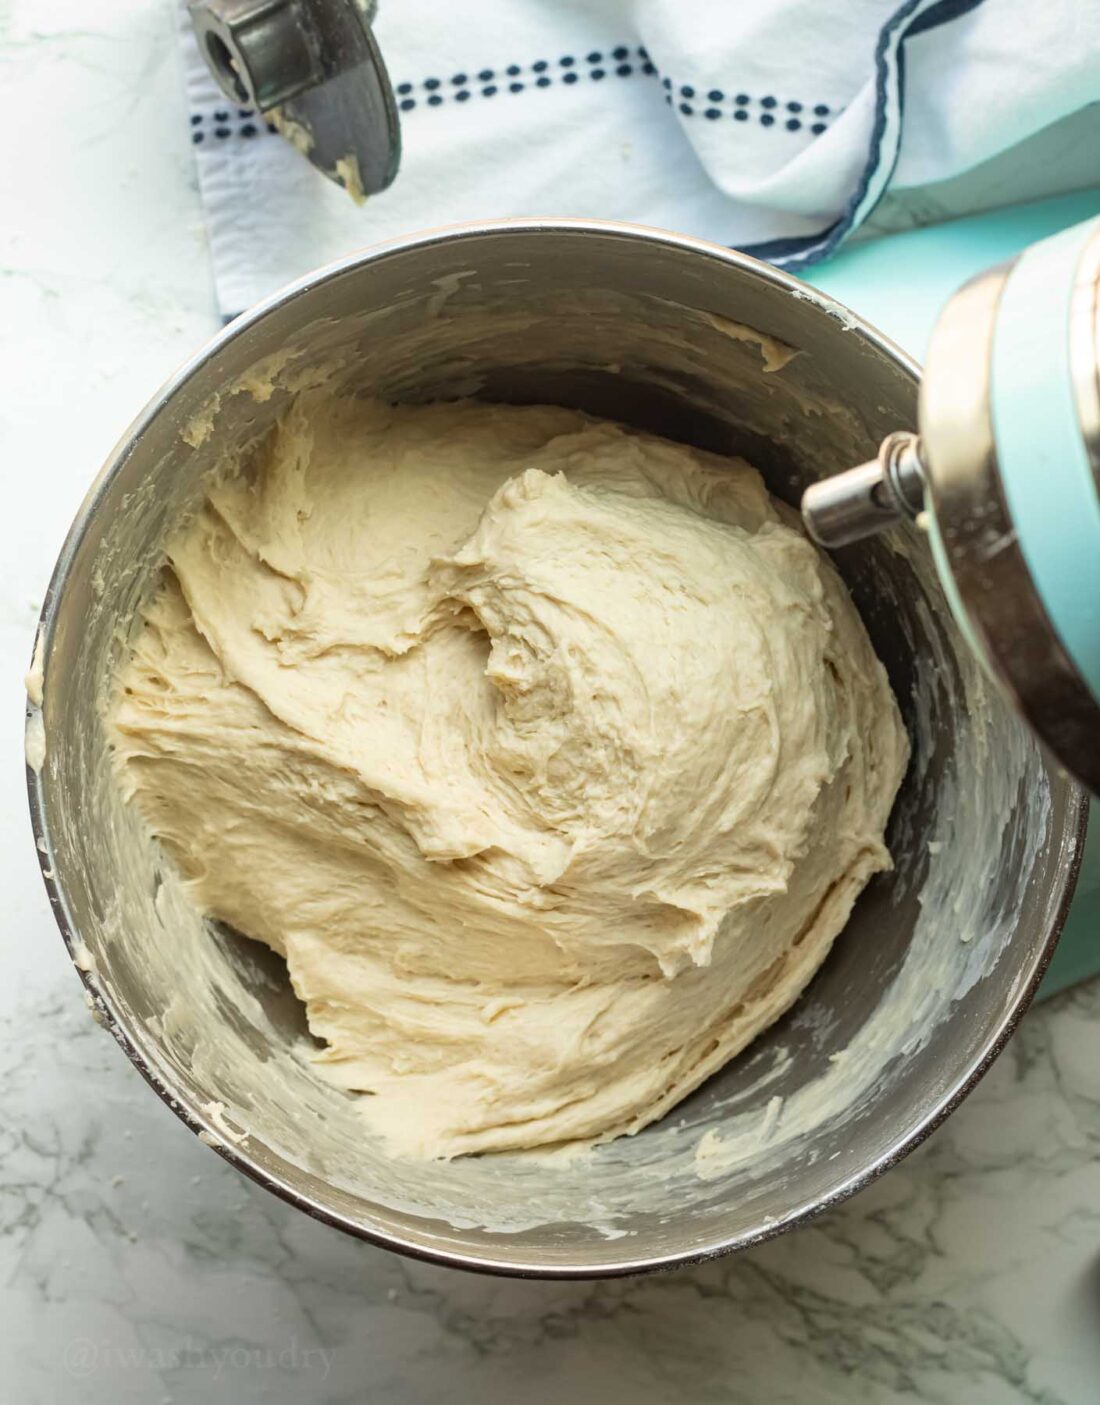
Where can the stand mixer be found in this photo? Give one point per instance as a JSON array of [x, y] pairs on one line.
[[1005, 478]]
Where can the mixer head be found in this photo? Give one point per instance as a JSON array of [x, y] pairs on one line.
[[1006, 479], [312, 67]]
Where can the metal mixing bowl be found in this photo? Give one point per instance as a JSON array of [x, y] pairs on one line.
[[920, 991]]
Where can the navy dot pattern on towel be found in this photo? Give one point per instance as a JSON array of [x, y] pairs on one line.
[[623, 61], [225, 122], [715, 105]]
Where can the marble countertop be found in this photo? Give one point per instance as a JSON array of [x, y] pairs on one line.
[[135, 1266]]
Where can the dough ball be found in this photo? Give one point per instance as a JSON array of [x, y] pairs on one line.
[[551, 755]]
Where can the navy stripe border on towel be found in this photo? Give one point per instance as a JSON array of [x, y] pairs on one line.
[[913, 17]]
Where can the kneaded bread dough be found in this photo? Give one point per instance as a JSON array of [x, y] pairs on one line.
[[551, 755]]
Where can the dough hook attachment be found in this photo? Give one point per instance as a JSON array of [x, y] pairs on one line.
[[1005, 478], [313, 68]]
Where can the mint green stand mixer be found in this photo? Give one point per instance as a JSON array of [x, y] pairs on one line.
[[1005, 478]]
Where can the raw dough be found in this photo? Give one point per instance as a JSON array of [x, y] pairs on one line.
[[550, 754]]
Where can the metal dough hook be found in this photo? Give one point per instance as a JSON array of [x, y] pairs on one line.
[[313, 68]]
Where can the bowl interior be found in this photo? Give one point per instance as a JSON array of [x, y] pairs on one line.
[[694, 344]]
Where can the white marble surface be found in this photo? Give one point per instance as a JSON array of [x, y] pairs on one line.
[[134, 1265]]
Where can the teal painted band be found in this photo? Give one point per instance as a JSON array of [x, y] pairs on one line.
[[1045, 471]]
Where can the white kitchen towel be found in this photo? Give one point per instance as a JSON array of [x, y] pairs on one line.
[[772, 125]]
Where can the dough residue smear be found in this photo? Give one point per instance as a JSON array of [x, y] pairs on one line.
[[551, 756]]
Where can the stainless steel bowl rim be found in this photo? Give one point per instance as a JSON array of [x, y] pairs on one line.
[[100, 1002]]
